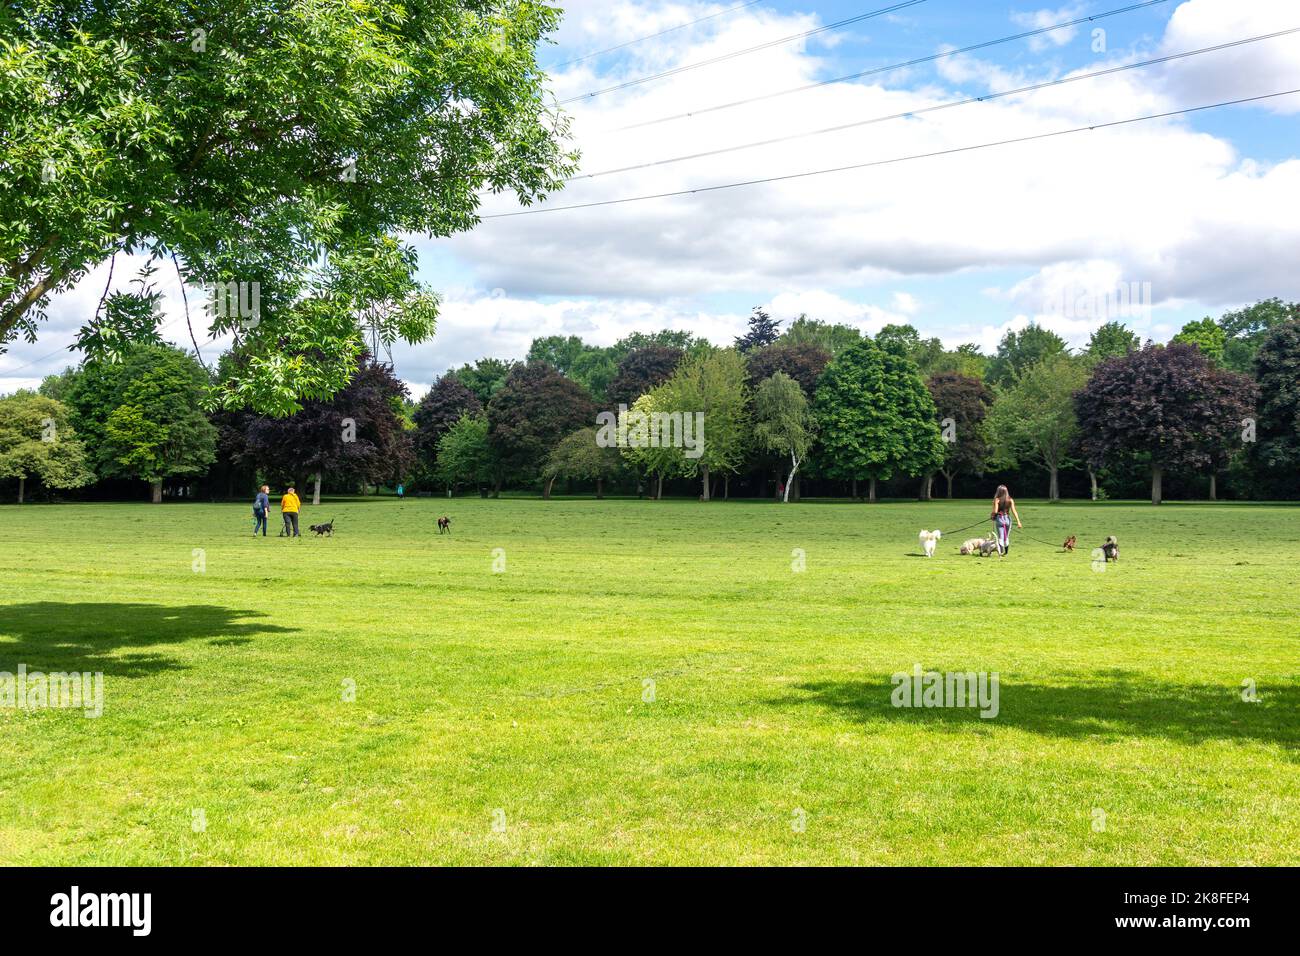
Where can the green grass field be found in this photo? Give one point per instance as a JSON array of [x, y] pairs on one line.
[[501, 718]]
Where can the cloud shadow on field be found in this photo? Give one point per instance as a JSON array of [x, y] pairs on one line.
[[1109, 709], [54, 636]]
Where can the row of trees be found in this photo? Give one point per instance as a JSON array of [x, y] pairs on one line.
[[817, 400]]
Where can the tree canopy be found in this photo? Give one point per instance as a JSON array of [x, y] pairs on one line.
[[277, 145], [1019, 350], [1166, 402], [143, 417], [876, 416], [1034, 417], [37, 441], [530, 413], [965, 401]]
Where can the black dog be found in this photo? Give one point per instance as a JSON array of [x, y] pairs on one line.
[[322, 529], [1111, 548], [444, 525]]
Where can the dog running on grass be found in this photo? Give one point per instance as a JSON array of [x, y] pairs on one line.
[[444, 525], [1070, 542], [1111, 548], [323, 529], [972, 545], [928, 540]]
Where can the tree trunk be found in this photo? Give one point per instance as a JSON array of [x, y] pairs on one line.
[[855, 489], [659, 486], [1156, 475], [794, 473], [22, 482], [1092, 476], [546, 489], [1214, 488], [496, 488], [315, 492], [704, 473], [872, 493], [600, 488], [155, 492], [926, 482], [948, 475], [1053, 485], [726, 486]]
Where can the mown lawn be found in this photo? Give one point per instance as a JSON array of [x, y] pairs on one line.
[[502, 718]]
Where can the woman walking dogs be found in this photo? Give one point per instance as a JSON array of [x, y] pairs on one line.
[[1004, 509]]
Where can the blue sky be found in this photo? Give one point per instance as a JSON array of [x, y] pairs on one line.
[[1199, 210]]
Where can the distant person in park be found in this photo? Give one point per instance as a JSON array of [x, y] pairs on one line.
[[289, 507], [1004, 509], [261, 510], [401, 490]]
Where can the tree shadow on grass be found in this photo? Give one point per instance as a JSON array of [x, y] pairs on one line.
[[1108, 709], [53, 636]]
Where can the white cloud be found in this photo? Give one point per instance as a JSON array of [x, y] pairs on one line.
[[1037, 19]]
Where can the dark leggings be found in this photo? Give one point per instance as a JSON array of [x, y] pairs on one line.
[[291, 519]]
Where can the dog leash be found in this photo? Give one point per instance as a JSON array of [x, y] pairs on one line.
[[967, 528]]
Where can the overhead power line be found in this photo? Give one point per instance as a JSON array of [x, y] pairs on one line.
[[653, 36], [735, 53], [894, 160], [891, 67], [930, 109]]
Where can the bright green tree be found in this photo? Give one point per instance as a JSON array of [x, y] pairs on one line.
[[1018, 351], [1034, 417], [783, 422], [876, 417], [1112, 340], [658, 461], [1207, 335], [464, 457], [254, 142], [833, 338], [143, 418], [1247, 328], [713, 383], [580, 457], [37, 441]]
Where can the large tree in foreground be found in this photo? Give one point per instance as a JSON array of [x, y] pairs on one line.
[[249, 140], [1169, 403]]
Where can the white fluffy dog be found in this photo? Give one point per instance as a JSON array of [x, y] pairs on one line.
[[928, 540]]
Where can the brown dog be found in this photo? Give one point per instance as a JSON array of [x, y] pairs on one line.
[[444, 525], [1070, 543]]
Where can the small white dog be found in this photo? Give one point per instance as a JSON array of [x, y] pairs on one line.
[[928, 540]]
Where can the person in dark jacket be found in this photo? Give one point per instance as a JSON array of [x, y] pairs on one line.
[[261, 510]]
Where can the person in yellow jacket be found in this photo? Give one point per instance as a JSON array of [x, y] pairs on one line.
[[289, 507]]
